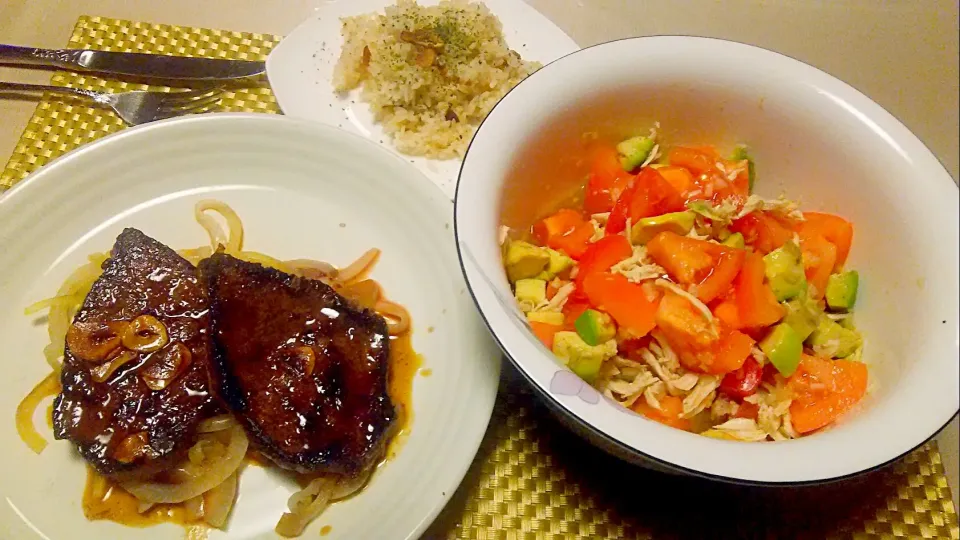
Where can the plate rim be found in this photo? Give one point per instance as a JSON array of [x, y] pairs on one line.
[[31, 188]]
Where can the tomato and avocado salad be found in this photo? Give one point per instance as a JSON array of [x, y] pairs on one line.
[[677, 292]]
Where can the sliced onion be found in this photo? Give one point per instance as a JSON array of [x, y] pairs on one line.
[[49, 386], [309, 268], [305, 505], [194, 507], [214, 474], [359, 267], [364, 293], [216, 423], [218, 501], [398, 320], [348, 486]]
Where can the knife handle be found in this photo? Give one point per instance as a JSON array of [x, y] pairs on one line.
[[29, 56], [40, 88]]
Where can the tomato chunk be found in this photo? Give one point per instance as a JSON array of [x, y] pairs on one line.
[[670, 415], [698, 160], [710, 267], [824, 390], [648, 195], [573, 309], [606, 182], [679, 177], [721, 276], [712, 173], [747, 410], [545, 332], [756, 304], [834, 229], [819, 259], [762, 231], [603, 254], [744, 381], [698, 344], [566, 231], [727, 312], [626, 302]]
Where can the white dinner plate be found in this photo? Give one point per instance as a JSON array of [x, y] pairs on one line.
[[300, 69], [303, 190]]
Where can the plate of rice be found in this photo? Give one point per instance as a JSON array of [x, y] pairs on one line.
[[415, 77]]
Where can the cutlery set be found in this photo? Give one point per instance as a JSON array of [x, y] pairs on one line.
[[204, 77]]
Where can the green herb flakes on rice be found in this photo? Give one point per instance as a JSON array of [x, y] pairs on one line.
[[429, 73]]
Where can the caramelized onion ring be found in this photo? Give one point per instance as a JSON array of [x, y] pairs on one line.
[[359, 267], [213, 475]]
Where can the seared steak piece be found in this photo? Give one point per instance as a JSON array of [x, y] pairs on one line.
[[304, 370], [135, 362]]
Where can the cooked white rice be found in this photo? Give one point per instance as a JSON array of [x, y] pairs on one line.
[[430, 74]]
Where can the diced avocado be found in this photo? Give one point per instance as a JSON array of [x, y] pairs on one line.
[[803, 315], [524, 260], [784, 271], [595, 327], [547, 317], [783, 348], [832, 340], [678, 222], [740, 153], [583, 359], [842, 290], [634, 151], [848, 323], [735, 240], [704, 209], [531, 292], [558, 263]]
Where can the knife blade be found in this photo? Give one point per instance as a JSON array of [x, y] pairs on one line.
[[131, 64]]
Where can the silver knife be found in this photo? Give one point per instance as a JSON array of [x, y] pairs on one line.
[[132, 64]]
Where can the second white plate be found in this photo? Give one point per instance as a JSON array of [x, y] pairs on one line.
[[300, 70]]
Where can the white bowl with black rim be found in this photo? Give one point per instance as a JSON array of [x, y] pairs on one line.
[[815, 139]]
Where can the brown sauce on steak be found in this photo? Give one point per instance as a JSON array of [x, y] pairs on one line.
[[305, 371], [134, 374]]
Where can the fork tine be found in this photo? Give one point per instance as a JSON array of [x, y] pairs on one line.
[[192, 105], [194, 93], [178, 98]]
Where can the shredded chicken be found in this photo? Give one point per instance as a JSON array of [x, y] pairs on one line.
[[600, 218], [702, 395], [598, 230], [653, 155], [723, 408], [740, 429], [557, 302], [638, 267], [502, 234], [780, 205]]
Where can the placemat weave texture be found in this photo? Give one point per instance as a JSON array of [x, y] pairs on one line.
[[532, 479]]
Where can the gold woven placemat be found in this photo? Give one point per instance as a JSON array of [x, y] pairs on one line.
[[531, 478]]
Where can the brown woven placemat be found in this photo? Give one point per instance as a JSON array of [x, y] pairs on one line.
[[531, 478]]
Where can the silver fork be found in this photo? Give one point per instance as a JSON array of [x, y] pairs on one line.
[[137, 107]]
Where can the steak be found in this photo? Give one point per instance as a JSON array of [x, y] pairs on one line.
[[303, 369], [131, 400]]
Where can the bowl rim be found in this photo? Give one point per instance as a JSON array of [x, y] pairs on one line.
[[554, 403]]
